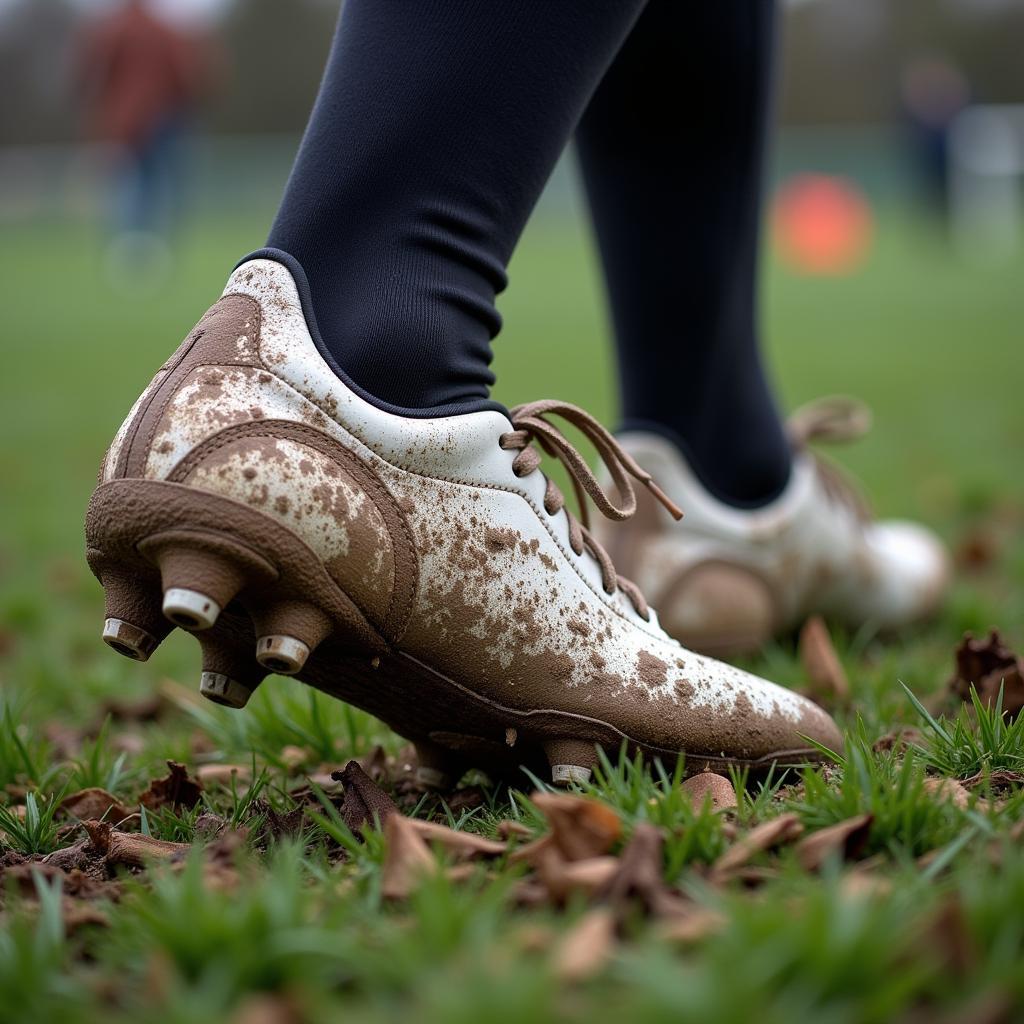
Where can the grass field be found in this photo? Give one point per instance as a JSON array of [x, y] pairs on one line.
[[933, 929]]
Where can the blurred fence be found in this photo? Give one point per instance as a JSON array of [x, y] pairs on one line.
[[238, 174]]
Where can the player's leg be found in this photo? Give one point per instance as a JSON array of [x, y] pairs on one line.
[[671, 149]]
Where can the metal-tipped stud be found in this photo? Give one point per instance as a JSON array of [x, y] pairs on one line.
[[567, 774], [197, 582], [289, 632], [282, 654], [128, 639], [133, 625], [571, 761], [230, 674], [222, 689], [190, 609]]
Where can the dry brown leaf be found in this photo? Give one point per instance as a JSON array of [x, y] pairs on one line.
[[587, 947], [130, 848], [176, 790], [532, 853], [267, 1008], [225, 774], [365, 802], [564, 878], [709, 786], [947, 790], [293, 757], [691, 926], [978, 547], [861, 884], [466, 844], [140, 709], [783, 829], [407, 859], [990, 666], [580, 827], [95, 803], [507, 828], [639, 876], [825, 674], [845, 839], [999, 779]]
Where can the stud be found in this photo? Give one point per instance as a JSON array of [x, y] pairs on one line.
[[229, 675], [133, 625], [571, 761], [289, 632], [128, 639]]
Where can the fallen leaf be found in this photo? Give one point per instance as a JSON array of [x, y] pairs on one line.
[[860, 884], [825, 673], [580, 827], [845, 839], [565, 878], [141, 709], [130, 848], [947, 790], [507, 828], [998, 779], [466, 844], [990, 666], [709, 786], [586, 947], [95, 803], [267, 1008], [407, 859], [293, 757], [365, 802], [176, 790], [691, 926], [224, 774], [776, 832], [639, 878], [978, 548]]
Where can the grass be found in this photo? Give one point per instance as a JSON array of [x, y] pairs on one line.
[[931, 342]]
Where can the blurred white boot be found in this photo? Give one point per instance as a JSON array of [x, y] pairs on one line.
[[725, 579]]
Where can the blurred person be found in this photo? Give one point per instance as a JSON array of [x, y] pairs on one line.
[[319, 483], [933, 91], [139, 79]]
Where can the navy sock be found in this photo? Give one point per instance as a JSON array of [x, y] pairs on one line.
[[671, 150], [434, 131]]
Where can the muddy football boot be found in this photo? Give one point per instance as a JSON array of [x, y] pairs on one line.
[[726, 580], [422, 569]]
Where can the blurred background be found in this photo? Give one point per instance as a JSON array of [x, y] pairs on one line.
[[893, 261]]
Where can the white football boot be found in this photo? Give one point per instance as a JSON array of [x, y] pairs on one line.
[[726, 580], [423, 569]]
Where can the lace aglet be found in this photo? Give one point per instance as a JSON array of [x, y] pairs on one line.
[[673, 509]]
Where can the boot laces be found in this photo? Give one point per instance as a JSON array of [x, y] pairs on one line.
[[530, 424], [835, 418]]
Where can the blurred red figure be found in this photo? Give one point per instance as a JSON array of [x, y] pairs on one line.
[[140, 78]]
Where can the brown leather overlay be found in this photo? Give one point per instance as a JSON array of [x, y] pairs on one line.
[[213, 341], [406, 561]]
